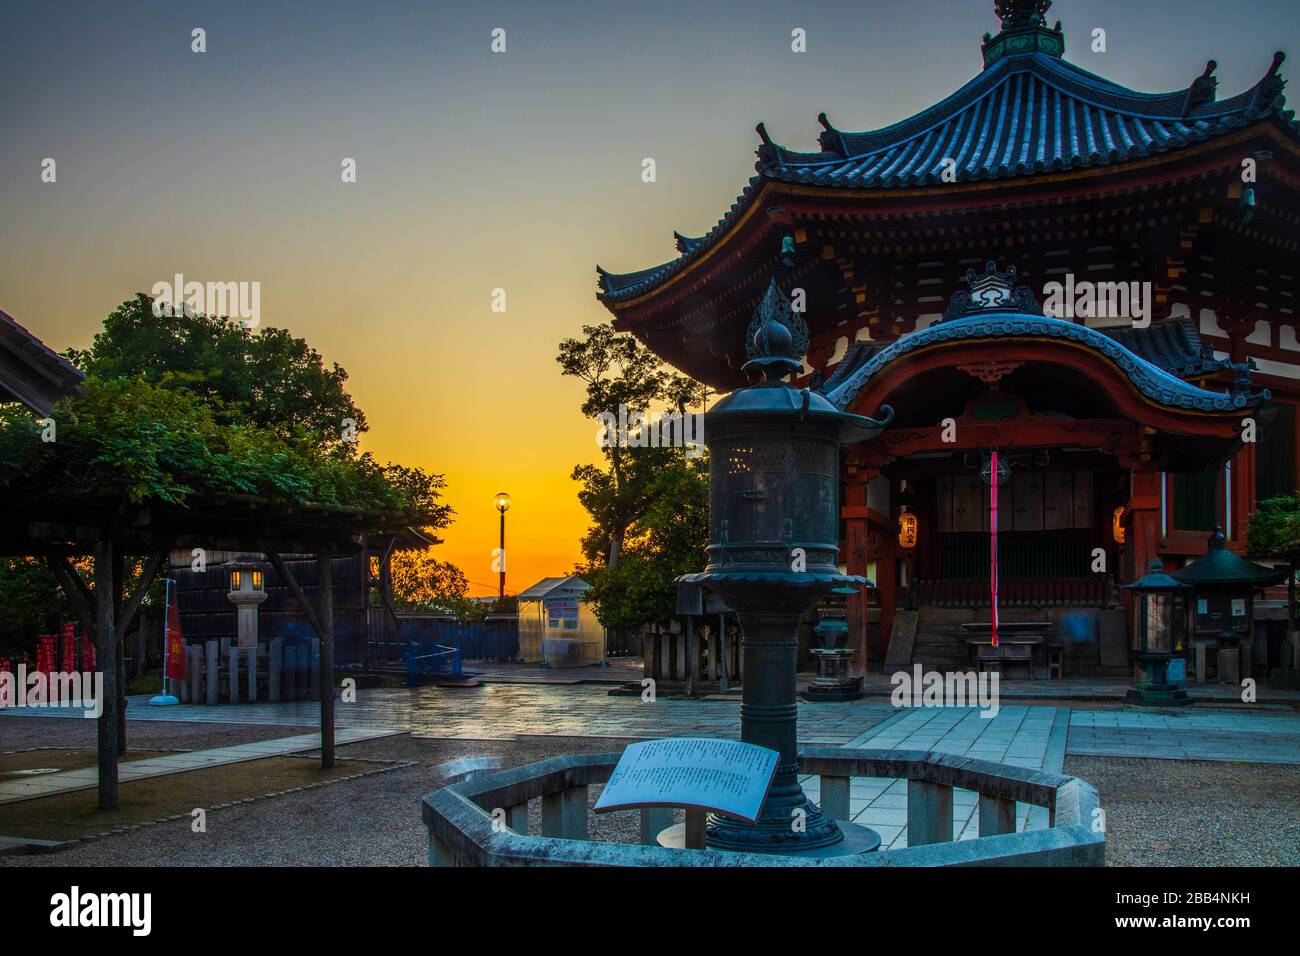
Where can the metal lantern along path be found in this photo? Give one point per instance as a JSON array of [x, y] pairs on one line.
[[773, 553], [1160, 605]]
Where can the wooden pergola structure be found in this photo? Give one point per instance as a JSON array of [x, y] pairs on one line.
[[108, 527]]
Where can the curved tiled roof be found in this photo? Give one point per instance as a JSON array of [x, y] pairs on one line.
[[1024, 115], [1150, 380], [1174, 345]]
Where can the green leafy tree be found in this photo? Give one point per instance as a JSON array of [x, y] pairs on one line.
[[1273, 529], [180, 406], [264, 377], [648, 505], [618, 372], [667, 541], [422, 582]]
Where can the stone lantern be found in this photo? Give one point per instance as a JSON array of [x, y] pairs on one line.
[[772, 554], [1159, 629], [833, 681], [1224, 586], [247, 592]]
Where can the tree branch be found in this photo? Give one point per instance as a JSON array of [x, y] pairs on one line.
[[79, 596], [147, 576], [296, 590]]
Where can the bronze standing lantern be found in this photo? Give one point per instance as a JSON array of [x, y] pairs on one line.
[[1160, 604], [773, 483]]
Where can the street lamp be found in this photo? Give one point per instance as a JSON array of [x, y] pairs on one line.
[[1159, 626], [502, 502]]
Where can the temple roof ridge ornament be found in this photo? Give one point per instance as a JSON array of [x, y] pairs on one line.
[[777, 338], [992, 291], [1204, 88], [1024, 30]]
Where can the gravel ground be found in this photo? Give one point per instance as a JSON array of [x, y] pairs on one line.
[[1158, 812], [374, 821], [1195, 813]]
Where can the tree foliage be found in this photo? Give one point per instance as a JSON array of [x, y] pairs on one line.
[[648, 505], [177, 407], [1273, 529], [422, 582], [264, 377]]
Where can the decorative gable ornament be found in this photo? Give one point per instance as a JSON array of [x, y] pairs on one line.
[[993, 291]]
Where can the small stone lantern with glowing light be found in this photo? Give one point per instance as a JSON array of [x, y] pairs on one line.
[[1160, 605], [247, 592]]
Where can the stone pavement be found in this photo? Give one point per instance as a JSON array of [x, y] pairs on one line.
[[508, 710], [1032, 737], [1035, 736], [1187, 734], [66, 781]]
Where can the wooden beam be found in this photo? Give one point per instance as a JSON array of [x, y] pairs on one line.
[[147, 575], [79, 596], [296, 590]]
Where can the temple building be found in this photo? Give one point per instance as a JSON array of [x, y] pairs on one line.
[[1096, 284]]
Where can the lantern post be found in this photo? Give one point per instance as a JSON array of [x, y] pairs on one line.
[[772, 554], [1159, 628]]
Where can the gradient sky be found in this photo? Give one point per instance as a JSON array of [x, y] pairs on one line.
[[475, 171]]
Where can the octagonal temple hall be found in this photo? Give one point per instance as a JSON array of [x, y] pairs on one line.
[[1098, 284]]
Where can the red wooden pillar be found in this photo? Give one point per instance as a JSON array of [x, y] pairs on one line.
[[1144, 502], [887, 583], [855, 559]]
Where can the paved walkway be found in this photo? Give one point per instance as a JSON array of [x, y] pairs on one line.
[[1190, 734], [66, 781], [1025, 735], [1200, 732], [508, 710], [1032, 737]]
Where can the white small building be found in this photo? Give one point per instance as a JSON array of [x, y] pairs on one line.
[[557, 626]]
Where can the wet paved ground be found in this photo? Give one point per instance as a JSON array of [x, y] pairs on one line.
[[1201, 732], [1025, 735]]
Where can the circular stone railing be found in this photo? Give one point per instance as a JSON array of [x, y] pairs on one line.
[[483, 821]]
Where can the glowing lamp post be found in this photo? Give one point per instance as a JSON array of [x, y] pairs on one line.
[[247, 592], [1159, 627], [502, 502]]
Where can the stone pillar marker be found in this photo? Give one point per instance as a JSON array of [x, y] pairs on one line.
[[213, 670]]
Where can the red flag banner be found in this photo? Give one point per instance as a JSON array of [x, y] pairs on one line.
[[45, 654], [69, 648], [175, 644]]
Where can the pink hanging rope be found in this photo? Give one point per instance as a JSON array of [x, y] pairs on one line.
[[993, 539]]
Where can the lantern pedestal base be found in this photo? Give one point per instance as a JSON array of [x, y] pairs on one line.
[[856, 839], [1158, 690], [1158, 695], [832, 681]]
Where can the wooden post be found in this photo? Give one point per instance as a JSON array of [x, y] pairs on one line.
[[325, 595], [119, 578], [692, 656], [724, 653], [106, 641]]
